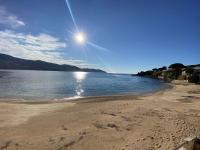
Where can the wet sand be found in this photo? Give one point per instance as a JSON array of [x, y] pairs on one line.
[[161, 120]]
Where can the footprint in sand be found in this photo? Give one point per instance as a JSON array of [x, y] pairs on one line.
[[6, 145], [64, 128]]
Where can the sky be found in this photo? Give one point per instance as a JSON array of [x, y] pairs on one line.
[[122, 36]]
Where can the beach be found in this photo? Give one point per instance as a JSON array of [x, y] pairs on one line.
[[160, 120]]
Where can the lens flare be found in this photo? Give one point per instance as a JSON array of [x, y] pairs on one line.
[[71, 13]]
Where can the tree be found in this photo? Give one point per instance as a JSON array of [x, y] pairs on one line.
[[162, 68], [155, 69], [176, 69], [177, 66]]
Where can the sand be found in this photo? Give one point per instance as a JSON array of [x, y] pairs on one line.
[[160, 120]]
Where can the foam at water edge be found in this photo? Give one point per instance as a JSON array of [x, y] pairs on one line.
[[68, 98]]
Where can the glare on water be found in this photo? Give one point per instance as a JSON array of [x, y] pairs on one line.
[[79, 76]]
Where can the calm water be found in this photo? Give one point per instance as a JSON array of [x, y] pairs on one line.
[[50, 85]]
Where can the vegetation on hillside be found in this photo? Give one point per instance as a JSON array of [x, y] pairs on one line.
[[176, 71]]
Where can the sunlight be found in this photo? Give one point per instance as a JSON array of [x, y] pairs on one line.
[[80, 38]]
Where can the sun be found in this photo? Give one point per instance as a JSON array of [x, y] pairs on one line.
[[80, 38]]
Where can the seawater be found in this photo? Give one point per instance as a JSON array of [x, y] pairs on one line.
[[56, 85]]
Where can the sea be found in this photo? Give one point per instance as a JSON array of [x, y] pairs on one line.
[[32, 85]]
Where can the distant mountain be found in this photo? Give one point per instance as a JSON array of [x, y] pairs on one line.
[[10, 62]]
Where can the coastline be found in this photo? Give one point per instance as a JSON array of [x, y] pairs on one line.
[[159, 120], [85, 98]]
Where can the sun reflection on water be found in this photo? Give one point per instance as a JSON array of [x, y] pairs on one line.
[[79, 76]]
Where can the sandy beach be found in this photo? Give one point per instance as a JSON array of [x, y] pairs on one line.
[[160, 120]]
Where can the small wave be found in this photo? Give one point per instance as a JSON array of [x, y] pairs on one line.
[[68, 98]]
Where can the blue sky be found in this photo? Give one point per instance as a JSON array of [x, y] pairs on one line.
[[132, 35]]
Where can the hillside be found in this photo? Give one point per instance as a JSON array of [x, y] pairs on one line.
[[10, 62]]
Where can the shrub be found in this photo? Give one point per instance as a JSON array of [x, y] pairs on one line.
[[172, 74], [168, 75], [146, 73], [156, 74]]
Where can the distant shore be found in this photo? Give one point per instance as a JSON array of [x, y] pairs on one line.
[[159, 120]]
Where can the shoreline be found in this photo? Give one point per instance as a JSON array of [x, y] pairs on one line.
[[159, 120], [86, 98]]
